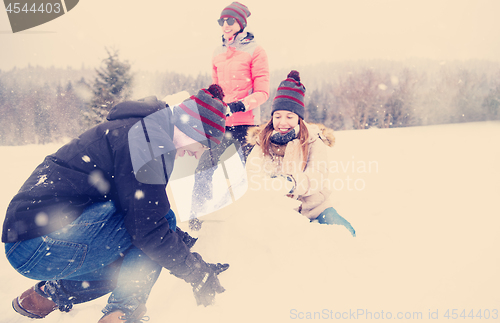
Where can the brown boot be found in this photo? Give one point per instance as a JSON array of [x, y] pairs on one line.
[[119, 317], [32, 304]]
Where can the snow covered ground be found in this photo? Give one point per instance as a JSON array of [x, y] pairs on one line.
[[423, 201]]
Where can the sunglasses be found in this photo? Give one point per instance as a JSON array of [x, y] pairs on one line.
[[230, 21]]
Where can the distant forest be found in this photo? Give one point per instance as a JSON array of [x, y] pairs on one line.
[[41, 105]]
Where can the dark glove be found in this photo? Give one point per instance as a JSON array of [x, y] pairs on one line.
[[236, 106], [204, 291], [195, 224], [203, 278], [288, 178], [186, 238]]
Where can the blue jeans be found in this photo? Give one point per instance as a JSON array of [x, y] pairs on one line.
[[89, 258], [331, 216]]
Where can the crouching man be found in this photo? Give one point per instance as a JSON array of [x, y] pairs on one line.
[[94, 217]]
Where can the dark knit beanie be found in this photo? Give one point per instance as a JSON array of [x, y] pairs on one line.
[[238, 11], [203, 116], [290, 95]]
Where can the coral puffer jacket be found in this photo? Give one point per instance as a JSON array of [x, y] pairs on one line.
[[241, 68]]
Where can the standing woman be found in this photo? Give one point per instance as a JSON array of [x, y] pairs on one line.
[[287, 146], [240, 66]]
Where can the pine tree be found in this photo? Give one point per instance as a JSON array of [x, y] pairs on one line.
[[112, 85]]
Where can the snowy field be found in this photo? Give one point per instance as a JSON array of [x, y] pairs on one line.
[[423, 201]]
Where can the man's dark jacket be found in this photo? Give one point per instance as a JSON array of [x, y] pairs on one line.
[[98, 167]]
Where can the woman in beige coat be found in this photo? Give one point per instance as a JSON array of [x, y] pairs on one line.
[[290, 148]]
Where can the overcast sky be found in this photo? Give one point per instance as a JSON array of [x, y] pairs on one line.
[[160, 35]]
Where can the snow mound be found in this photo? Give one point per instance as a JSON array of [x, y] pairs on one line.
[[423, 202]]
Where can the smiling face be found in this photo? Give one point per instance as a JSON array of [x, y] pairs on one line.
[[229, 30], [284, 121], [185, 144]]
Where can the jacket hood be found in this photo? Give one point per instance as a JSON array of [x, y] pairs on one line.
[[150, 139], [241, 38], [136, 109], [316, 130]]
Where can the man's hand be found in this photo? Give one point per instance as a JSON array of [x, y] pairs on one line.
[[205, 290], [203, 278]]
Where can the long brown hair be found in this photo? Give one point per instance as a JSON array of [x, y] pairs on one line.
[[303, 136]]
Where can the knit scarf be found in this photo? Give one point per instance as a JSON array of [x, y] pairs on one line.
[[282, 139]]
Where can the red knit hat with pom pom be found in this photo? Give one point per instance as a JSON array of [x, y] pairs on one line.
[[238, 11], [290, 95], [203, 116]]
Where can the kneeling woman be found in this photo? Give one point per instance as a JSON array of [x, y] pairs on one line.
[[289, 147]]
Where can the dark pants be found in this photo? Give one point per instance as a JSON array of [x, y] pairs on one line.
[[202, 190]]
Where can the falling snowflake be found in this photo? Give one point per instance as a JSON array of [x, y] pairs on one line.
[[184, 118], [86, 159], [139, 195], [96, 179], [41, 219], [41, 180]]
